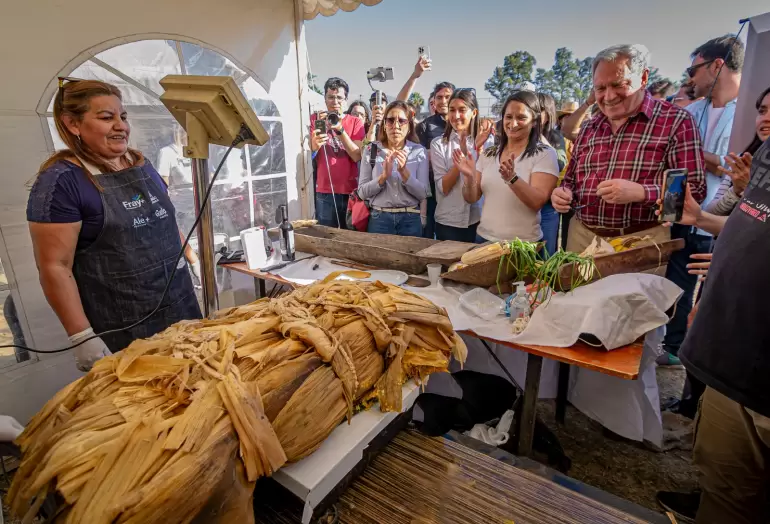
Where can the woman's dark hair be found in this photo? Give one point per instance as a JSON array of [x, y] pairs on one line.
[[411, 135], [534, 144], [469, 97], [756, 143], [357, 103], [548, 108]]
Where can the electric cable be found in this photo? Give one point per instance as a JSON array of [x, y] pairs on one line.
[[244, 134]]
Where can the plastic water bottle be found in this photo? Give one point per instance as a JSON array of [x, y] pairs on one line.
[[520, 304]]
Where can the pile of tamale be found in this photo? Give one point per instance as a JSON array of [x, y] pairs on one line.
[[178, 427]]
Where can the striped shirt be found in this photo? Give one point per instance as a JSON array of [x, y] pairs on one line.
[[660, 136]]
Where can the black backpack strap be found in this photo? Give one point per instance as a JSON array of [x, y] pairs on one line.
[[372, 154]]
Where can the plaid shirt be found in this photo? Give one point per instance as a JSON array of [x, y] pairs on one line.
[[660, 136]]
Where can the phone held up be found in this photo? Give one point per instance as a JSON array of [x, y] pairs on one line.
[[424, 52], [674, 193]]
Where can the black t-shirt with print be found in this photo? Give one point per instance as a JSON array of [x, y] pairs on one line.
[[728, 345]]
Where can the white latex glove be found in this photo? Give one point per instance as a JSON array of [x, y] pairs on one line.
[[9, 428], [89, 352]]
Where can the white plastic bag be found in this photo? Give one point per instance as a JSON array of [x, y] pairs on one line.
[[617, 310], [496, 436], [482, 303]]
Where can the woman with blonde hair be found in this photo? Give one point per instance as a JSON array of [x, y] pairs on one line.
[[103, 229]]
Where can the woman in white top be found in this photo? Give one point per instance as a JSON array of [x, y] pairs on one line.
[[456, 218], [516, 177]]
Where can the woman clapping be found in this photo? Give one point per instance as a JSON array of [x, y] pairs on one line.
[[516, 177], [456, 217], [394, 175]]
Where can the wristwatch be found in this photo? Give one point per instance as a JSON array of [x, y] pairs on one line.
[[513, 180]]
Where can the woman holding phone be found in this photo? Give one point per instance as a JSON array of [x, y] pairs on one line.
[[516, 177], [398, 181], [456, 218]]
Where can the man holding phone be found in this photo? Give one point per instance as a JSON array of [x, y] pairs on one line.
[[615, 176], [336, 142]]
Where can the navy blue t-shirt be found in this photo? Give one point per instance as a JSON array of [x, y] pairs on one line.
[[63, 194]]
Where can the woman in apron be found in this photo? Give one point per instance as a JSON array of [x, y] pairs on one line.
[[103, 229]]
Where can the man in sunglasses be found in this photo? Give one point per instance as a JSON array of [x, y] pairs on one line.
[[715, 76]]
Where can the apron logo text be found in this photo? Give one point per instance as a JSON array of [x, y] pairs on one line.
[[141, 221], [135, 203], [161, 213]]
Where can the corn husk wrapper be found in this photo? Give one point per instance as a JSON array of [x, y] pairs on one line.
[[178, 427]]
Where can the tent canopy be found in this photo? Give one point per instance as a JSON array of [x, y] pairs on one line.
[[313, 8]]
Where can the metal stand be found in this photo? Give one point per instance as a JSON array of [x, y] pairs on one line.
[[198, 149]]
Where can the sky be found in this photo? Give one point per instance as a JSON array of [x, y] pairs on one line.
[[469, 38]]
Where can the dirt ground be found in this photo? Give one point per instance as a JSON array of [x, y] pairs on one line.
[[627, 469]]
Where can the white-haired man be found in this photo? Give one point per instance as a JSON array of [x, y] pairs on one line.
[[615, 175]]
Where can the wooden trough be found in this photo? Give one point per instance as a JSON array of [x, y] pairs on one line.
[[635, 260], [408, 254]]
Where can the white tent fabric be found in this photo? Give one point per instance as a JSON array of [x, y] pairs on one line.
[[313, 8], [755, 79]]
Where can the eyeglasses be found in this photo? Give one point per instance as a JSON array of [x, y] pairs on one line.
[[336, 98], [472, 90], [693, 69], [63, 80], [391, 121]]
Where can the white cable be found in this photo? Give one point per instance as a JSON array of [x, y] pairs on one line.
[[331, 183]]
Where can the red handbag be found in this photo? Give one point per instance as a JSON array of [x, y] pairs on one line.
[[357, 216]]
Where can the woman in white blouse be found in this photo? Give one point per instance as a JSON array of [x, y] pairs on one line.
[[456, 218], [516, 177], [394, 175]]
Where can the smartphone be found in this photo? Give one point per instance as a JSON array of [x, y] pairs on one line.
[[674, 192], [320, 125], [424, 51]]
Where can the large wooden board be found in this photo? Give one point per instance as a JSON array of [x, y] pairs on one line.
[[382, 251], [446, 252]]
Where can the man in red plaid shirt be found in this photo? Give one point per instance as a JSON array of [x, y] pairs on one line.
[[616, 172]]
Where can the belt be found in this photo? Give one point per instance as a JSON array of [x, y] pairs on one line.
[[620, 232], [397, 209]]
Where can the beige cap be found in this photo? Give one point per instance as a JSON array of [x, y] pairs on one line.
[[567, 108]]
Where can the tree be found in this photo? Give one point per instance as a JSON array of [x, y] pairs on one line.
[[311, 82], [513, 74], [584, 82], [417, 99], [545, 82], [565, 75]]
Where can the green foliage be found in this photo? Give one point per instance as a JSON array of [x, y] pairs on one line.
[[545, 81], [565, 75], [584, 82], [515, 72], [417, 99]]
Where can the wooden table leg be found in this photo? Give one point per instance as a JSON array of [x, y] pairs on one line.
[[561, 393], [259, 287], [529, 405]]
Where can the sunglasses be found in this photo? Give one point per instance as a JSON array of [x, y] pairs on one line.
[[693, 69], [64, 80], [470, 89], [391, 121]]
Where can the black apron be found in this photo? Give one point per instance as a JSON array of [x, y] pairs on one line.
[[121, 276]]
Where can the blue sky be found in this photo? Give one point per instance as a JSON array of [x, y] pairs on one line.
[[468, 38]]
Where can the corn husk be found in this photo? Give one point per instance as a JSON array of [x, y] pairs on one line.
[[179, 426]]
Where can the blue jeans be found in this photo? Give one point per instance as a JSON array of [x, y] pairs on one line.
[[677, 273], [324, 209], [549, 223], [402, 224]]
